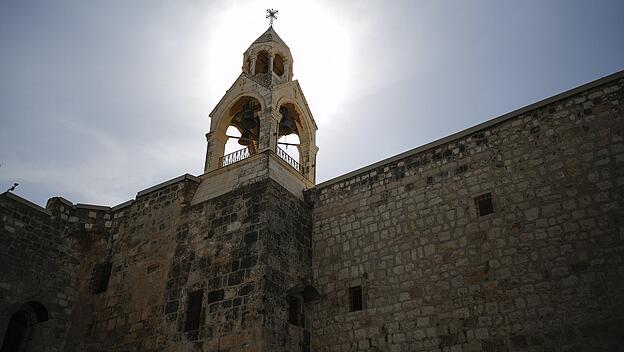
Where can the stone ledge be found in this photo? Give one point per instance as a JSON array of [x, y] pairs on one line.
[[92, 207], [167, 183], [123, 205], [64, 201], [26, 202]]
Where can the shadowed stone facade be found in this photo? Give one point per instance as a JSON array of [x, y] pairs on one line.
[[543, 272], [508, 236]]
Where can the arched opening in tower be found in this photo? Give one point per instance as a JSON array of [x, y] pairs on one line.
[[232, 144], [262, 62], [290, 145], [288, 134], [278, 65], [243, 131], [19, 331]]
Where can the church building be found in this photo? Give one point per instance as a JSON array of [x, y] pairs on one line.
[[507, 236]]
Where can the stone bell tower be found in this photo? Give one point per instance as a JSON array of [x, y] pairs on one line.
[[249, 213], [263, 104]]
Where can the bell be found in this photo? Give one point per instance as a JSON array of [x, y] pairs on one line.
[[244, 139], [248, 121], [286, 125]]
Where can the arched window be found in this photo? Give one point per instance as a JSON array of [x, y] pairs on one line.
[[288, 136], [243, 131], [21, 325], [278, 65], [262, 62]]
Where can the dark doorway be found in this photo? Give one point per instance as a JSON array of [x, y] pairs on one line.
[[16, 333], [20, 328]]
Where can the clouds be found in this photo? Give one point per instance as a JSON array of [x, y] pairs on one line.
[[96, 104], [99, 100]]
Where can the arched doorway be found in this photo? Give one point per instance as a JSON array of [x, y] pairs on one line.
[[19, 332]]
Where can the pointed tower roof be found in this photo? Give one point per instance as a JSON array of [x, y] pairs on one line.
[[270, 36]]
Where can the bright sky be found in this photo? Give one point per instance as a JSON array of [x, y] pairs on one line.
[[101, 99]]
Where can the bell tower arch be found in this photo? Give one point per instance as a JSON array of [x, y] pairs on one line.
[[263, 104]]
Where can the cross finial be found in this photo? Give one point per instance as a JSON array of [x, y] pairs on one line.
[[271, 15]]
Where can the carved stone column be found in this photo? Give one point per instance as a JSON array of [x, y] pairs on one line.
[[269, 121], [286, 74], [214, 150], [271, 59]]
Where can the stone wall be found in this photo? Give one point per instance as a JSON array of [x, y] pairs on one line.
[[39, 258], [244, 249], [544, 272], [288, 265], [140, 245], [241, 251], [217, 251]]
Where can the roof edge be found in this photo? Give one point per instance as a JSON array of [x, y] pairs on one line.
[[122, 205], [92, 207], [168, 183], [26, 202], [476, 128]]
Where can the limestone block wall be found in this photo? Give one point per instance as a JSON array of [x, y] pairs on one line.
[[241, 250], [244, 249], [288, 239], [37, 264], [139, 242], [218, 250], [544, 272]]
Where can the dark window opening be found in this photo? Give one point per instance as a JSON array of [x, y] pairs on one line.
[[484, 204], [100, 277], [262, 62], [278, 65], [355, 298], [294, 309], [16, 333], [193, 310]]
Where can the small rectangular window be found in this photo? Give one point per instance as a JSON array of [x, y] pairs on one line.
[[355, 298], [193, 310], [484, 204], [100, 277], [293, 310]]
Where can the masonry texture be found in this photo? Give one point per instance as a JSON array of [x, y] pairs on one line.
[[508, 236], [544, 272]]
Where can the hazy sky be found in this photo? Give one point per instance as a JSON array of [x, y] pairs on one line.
[[101, 99]]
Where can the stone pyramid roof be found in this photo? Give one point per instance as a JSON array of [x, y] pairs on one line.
[[270, 36]]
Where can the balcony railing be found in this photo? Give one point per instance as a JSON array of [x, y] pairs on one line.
[[245, 153], [288, 159], [234, 157]]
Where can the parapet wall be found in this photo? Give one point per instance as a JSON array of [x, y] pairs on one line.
[[544, 271]]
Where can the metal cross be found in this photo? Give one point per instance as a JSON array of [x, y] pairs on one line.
[[271, 15]]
